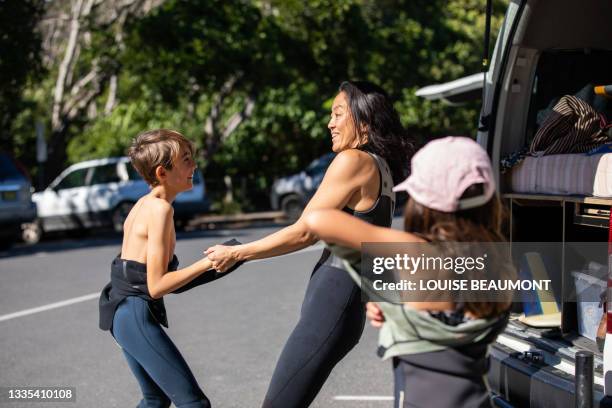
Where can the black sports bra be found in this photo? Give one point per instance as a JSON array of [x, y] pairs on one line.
[[381, 213]]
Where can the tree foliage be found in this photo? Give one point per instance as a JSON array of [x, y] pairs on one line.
[[20, 46], [250, 81]]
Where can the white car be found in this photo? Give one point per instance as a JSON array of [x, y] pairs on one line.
[[101, 193]]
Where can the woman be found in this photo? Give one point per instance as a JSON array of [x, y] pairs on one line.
[[371, 147], [438, 347]]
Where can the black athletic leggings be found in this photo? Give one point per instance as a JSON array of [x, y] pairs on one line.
[[331, 322]]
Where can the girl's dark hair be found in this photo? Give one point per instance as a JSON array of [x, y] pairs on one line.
[[373, 111], [481, 224]]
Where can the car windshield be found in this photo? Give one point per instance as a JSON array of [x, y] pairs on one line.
[[105, 174], [76, 178], [8, 170]]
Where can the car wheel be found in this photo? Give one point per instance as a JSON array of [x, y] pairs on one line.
[[119, 215], [292, 206], [31, 232]]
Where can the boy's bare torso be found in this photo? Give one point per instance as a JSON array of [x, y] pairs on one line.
[[135, 231]]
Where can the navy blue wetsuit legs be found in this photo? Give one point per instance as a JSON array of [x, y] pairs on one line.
[[153, 396], [161, 370], [331, 322]]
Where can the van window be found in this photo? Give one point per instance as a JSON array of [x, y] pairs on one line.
[[105, 174], [73, 179]]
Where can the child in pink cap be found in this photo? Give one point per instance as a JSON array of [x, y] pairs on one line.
[[451, 198]]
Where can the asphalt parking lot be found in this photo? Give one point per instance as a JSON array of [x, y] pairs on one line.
[[230, 331]]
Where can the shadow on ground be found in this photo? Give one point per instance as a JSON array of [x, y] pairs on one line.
[[98, 238]]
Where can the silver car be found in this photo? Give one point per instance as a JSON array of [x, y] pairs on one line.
[[290, 194]]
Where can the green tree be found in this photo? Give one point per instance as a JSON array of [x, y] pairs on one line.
[[249, 81], [20, 46]]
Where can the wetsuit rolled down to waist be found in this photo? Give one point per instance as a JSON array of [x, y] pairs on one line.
[[129, 278], [332, 317]]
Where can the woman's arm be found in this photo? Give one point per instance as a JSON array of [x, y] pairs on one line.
[[159, 282], [343, 178], [337, 227]]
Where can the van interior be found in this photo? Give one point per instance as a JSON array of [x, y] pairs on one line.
[[548, 49], [557, 48]]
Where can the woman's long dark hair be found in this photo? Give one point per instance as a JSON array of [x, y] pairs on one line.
[[372, 110]]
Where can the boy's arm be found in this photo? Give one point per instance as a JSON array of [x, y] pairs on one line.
[[159, 282], [211, 275]]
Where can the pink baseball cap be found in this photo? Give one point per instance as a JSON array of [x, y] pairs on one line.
[[443, 169]]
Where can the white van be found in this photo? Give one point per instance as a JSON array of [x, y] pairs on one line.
[[547, 49], [101, 192]]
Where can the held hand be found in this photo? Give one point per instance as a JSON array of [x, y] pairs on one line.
[[221, 257], [375, 315]]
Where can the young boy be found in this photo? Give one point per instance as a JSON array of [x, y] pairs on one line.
[[131, 305]]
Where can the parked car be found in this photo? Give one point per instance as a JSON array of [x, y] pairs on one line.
[[290, 194], [536, 61], [98, 193], [16, 206]]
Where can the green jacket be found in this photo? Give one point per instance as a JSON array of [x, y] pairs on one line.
[[411, 331]]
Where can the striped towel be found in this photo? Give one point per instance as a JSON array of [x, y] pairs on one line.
[[573, 126], [565, 174]]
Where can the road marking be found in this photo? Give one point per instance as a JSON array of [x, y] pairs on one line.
[[50, 306], [96, 295], [363, 398]]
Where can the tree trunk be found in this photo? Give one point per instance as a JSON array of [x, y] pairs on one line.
[[75, 94]]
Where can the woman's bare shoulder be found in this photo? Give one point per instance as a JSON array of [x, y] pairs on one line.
[[353, 160], [353, 155]]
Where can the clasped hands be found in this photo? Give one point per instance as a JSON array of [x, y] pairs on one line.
[[222, 257]]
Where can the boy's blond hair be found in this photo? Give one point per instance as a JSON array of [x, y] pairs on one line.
[[158, 147]]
